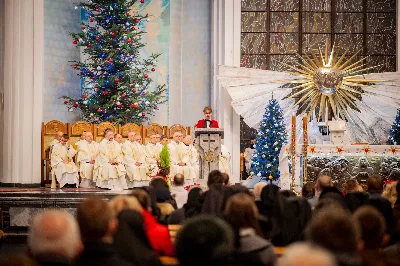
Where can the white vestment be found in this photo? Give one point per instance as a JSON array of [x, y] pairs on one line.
[[194, 166], [225, 161], [248, 152], [107, 173], [152, 157], [86, 153], [178, 154], [134, 153], [66, 173]]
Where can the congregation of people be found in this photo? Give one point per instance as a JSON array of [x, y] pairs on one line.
[[225, 225], [116, 165]]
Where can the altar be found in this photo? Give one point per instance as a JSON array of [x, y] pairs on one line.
[[339, 162]]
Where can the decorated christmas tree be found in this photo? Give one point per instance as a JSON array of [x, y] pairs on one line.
[[116, 79], [394, 137], [270, 139]]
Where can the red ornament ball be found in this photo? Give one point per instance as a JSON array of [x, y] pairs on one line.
[[153, 69], [75, 105], [98, 9], [116, 79], [99, 110], [142, 1], [143, 114], [136, 105], [83, 28], [110, 60], [123, 95], [129, 40], [74, 42], [88, 45], [84, 96], [105, 92], [137, 20], [75, 66], [119, 105], [97, 38], [91, 19], [134, 91], [146, 76], [127, 14], [66, 101], [131, 105], [112, 33]]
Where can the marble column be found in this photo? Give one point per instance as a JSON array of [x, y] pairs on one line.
[[226, 51], [23, 82]]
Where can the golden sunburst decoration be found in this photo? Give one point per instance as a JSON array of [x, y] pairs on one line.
[[329, 83]]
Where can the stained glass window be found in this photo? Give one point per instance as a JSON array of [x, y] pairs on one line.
[[277, 30]]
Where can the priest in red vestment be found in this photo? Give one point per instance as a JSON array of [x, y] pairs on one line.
[[207, 122]]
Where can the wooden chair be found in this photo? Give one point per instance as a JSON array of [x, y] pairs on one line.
[[75, 131], [177, 128], [49, 132], [124, 130], [100, 128], [151, 130]]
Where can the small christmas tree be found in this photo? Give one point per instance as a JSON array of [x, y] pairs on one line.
[[394, 137], [270, 139], [116, 80]]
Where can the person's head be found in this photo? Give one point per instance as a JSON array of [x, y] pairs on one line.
[[323, 182], [215, 177], [106, 131], [89, 137], [143, 197], [131, 136], [158, 182], [177, 136], [374, 184], [179, 180], [64, 139], [163, 194], [83, 135], [120, 203], [164, 140], [226, 179], [205, 240], [187, 140], [97, 221], [118, 138], [257, 189], [308, 190], [286, 193], [372, 226], [390, 193], [351, 185], [54, 232], [333, 229], [139, 139], [207, 112], [59, 135], [154, 138], [300, 254], [109, 135], [241, 212]]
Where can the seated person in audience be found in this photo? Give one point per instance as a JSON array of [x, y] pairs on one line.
[[109, 172], [163, 196], [352, 186], [390, 193], [227, 182], [300, 254], [332, 228], [225, 160], [190, 209], [251, 249], [207, 122], [86, 158], [135, 161], [157, 234], [163, 140], [62, 163], [323, 182], [57, 139], [179, 159], [205, 240], [82, 140], [373, 236], [308, 190], [257, 193], [153, 150], [193, 163], [98, 224], [54, 238], [375, 185], [179, 193]]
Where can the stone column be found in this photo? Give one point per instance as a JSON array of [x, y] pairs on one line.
[[226, 51], [23, 82]]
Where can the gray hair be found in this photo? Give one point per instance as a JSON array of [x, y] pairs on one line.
[[257, 189], [306, 254], [54, 232]]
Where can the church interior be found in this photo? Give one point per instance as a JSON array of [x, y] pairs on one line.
[[199, 132]]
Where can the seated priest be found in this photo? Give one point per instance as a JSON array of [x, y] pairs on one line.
[[109, 171], [179, 159], [135, 161], [225, 161], [87, 153], [62, 163], [153, 150], [207, 122], [193, 161], [56, 140], [118, 138], [81, 141]]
